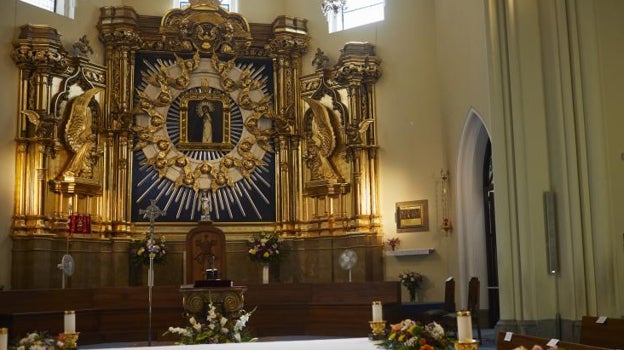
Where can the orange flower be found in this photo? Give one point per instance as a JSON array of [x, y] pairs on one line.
[[396, 327], [422, 341], [426, 347]]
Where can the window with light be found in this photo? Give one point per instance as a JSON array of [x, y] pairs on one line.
[[229, 5], [346, 14], [61, 7]]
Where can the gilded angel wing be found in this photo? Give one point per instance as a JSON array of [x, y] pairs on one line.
[[322, 127], [79, 123]]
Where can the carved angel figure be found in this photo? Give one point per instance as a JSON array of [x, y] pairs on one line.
[[323, 143], [80, 137]]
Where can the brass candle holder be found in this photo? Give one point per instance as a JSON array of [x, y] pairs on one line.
[[70, 340], [378, 330], [466, 344]]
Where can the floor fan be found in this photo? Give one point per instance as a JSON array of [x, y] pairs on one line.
[[67, 267], [348, 258]]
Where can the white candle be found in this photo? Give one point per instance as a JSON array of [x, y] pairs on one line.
[[377, 311], [70, 322], [464, 326], [4, 338], [70, 206]]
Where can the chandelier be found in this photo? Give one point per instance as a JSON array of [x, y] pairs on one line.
[[335, 6]]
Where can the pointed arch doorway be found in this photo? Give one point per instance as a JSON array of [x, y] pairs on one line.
[[475, 215]]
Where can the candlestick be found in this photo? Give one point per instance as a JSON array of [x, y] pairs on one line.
[[377, 311], [4, 338], [464, 326], [70, 321]]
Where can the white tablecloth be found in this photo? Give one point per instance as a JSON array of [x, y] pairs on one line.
[[321, 344]]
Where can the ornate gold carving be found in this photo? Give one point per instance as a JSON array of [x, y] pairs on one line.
[[205, 27], [39, 48], [320, 61], [82, 47], [180, 168], [357, 64], [81, 137], [323, 142]]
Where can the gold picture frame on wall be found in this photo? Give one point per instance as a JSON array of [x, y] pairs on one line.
[[204, 121], [412, 216]]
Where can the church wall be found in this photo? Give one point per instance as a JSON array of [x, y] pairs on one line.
[[554, 80], [605, 54], [464, 86], [409, 126]]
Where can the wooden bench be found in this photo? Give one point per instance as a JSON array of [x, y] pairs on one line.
[[609, 333], [528, 341]]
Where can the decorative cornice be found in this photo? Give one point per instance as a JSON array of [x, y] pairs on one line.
[[39, 47], [357, 64], [290, 36]]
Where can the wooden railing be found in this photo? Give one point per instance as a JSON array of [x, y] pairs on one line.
[[121, 314]]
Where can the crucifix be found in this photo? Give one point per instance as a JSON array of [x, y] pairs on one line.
[[151, 213]]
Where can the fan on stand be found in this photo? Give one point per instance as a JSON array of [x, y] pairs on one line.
[[67, 267], [348, 258]]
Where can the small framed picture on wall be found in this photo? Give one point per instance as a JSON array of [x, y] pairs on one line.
[[412, 216]]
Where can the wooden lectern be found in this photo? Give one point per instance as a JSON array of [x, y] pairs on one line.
[[205, 249]]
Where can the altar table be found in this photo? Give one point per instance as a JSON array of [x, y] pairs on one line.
[[321, 344]]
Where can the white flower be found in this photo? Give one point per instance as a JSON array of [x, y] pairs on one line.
[[241, 322], [223, 321], [436, 331], [411, 341], [237, 337]]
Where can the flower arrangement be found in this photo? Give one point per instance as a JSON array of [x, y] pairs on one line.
[[412, 281], [264, 247], [408, 335], [216, 329], [394, 242], [38, 341], [140, 250]]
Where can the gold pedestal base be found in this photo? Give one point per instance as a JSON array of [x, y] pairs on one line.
[[378, 330], [467, 345], [70, 340]]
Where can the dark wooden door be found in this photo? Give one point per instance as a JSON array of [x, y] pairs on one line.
[[490, 238]]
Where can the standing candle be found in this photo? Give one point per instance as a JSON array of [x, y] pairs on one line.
[[464, 326], [377, 311], [4, 338], [70, 322]]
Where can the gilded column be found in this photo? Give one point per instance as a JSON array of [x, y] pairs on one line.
[[118, 32], [290, 41], [39, 54], [358, 70]]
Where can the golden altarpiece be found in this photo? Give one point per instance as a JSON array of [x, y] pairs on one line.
[[195, 111]]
